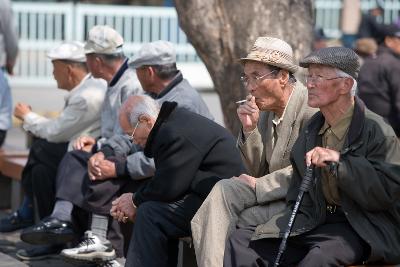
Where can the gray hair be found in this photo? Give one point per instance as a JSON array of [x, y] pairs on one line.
[[343, 74], [145, 106], [109, 59]]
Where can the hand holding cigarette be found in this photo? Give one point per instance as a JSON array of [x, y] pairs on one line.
[[248, 113]]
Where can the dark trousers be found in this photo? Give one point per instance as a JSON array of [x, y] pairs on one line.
[[3, 134], [73, 184], [71, 181], [154, 241], [39, 174], [334, 243]]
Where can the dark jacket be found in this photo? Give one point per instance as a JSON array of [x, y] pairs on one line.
[[191, 153], [369, 185], [379, 86]]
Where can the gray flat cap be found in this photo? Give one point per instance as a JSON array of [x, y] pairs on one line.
[[154, 53], [341, 58]]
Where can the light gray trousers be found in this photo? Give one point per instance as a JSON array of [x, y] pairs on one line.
[[230, 203]]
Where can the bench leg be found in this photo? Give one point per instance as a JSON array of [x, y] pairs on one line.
[[186, 255]]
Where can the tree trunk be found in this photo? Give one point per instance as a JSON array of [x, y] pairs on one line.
[[222, 31]]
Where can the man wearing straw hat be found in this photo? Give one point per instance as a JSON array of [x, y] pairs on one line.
[[272, 116], [351, 213]]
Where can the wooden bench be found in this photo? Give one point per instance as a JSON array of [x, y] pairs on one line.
[[12, 162]]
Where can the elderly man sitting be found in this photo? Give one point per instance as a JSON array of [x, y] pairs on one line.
[[352, 211], [191, 153], [274, 113]]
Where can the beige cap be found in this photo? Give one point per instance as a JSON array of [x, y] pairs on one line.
[[103, 39], [274, 52], [72, 51]]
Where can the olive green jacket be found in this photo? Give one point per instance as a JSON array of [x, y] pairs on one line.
[[368, 176]]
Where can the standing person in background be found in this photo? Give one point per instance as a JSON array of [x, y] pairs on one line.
[[8, 55], [350, 20], [371, 22], [379, 80]]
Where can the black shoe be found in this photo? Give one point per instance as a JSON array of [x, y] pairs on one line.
[[14, 222], [39, 252], [50, 231]]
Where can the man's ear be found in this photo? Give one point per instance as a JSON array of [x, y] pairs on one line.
[[283, 77], [144, 118], [348, 84]]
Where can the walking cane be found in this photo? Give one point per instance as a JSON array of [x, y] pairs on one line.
[[304, 187]]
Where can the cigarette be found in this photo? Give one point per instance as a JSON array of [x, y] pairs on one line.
[[241, 101]]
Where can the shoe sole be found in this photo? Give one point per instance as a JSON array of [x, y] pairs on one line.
[[90, 257], [47, 238], [35, 258]]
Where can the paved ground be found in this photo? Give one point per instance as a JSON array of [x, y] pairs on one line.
[[10, 243]]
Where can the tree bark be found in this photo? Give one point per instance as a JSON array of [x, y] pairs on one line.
[[222, 31]]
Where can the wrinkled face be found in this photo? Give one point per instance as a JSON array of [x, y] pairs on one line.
[[93, 64], [60, 73], [263, 85], [323, 85], [138, 132]]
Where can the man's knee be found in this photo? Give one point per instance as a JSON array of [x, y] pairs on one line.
[[146, 212], [319, 257], [226, 188]]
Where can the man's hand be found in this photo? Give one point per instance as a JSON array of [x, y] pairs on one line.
[[84, 143], [105, 170], [123, 208], [320, 156], [247, 179], [249, 114], [21, 109], [93, 169]]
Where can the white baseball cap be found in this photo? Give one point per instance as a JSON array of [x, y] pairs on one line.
[[72, 51], [103, 39]]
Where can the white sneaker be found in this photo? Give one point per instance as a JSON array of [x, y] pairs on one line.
[[90, 249]]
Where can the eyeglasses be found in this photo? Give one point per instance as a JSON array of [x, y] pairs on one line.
[[130, 137], [317, 79], [246, 80]]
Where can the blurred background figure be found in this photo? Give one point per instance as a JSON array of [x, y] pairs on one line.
[[371, 22], [379, 78], [366, 48], [320, 39], [8, 55], [350, 21]]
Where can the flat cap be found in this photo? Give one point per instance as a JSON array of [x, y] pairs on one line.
[[341, 58], [154, 53], [71, 51], [103, 39]]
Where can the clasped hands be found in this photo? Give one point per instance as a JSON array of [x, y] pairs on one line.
[[99, 168], [123, 208]]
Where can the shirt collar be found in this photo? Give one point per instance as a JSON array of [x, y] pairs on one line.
[[277, 120], [341, 127]]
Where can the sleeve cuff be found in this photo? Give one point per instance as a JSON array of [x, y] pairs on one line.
[[108, 151]]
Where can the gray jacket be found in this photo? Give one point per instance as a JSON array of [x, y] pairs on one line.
[[8, 34], [123, 84], [137, 165]]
